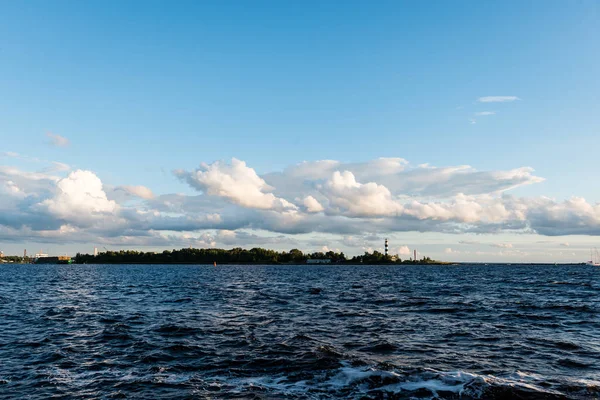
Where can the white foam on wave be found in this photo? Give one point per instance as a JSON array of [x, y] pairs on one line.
[[523, 380], [433, 385], [589, 382], [360, 379], [348, 375], [156, 377], [365, 380], [348, 381], [448, 382]]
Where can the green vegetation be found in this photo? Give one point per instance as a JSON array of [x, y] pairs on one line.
[[236, 256], [15, 259], [380, 258]]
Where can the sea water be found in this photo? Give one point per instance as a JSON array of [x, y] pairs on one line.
[[305, 332]]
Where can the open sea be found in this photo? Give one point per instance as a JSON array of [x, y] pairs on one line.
[[299, 332]]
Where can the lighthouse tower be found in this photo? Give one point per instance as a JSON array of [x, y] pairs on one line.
[[386, 248]]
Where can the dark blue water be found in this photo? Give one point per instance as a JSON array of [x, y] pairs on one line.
[[308, 332]]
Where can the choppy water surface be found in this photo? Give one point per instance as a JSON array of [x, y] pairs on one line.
[[307, 332]]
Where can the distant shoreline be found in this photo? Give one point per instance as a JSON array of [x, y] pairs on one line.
[[474, 263], [241, 263], [241, 256]]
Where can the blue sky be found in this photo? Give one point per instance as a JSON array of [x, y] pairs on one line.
[[140, 89]]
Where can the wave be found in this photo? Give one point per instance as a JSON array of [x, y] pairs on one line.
[[379, 382]]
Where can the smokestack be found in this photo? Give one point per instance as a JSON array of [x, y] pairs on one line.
[[415, 255]]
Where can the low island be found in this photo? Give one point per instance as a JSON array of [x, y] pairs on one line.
[[241, 256]]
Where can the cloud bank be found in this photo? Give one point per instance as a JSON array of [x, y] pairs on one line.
[[236, 205]]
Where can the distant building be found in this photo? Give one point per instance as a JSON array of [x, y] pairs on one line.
[[95, 252], [318, 261]]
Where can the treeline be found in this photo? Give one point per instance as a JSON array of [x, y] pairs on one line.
[[236, 256], [380, 258], [15, 259]]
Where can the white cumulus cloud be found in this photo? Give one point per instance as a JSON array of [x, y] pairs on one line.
[[356, 199], [236, 182], [80, 196], [312, 205]]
